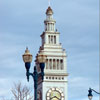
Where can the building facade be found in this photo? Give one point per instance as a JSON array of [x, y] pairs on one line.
[[54, 85]]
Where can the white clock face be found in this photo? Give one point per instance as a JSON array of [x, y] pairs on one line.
[[55, 94]]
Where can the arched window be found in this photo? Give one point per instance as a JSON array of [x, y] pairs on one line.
[[46, 27], [57, 64], [61, 64], [50, 64], [54, 39], [54, 64], [46, 63], [49, 39]]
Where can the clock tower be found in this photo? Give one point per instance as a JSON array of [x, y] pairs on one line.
[[54, 85]]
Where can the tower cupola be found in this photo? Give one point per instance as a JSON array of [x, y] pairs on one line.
[[49, 11], [49, 22]]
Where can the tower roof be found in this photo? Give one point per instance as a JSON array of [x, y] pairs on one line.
[[49, 11]]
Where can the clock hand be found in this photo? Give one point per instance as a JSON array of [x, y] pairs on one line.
[[55, 97]]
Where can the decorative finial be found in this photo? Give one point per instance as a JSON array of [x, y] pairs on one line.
[[27, 51], [49, 11], [26, 48], [49, 2]]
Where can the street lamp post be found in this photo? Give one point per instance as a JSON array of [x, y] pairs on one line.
[[27, 58], [90, 93]]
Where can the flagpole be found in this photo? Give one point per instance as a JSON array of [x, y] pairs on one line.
[[49, 2]]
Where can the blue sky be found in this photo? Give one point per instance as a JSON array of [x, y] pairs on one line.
[[21, 24]]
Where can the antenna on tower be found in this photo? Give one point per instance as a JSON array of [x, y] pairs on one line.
[[49, 2]]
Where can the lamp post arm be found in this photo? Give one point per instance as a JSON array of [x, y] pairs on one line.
[[28, 74], [95, 91], [31, 74]]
